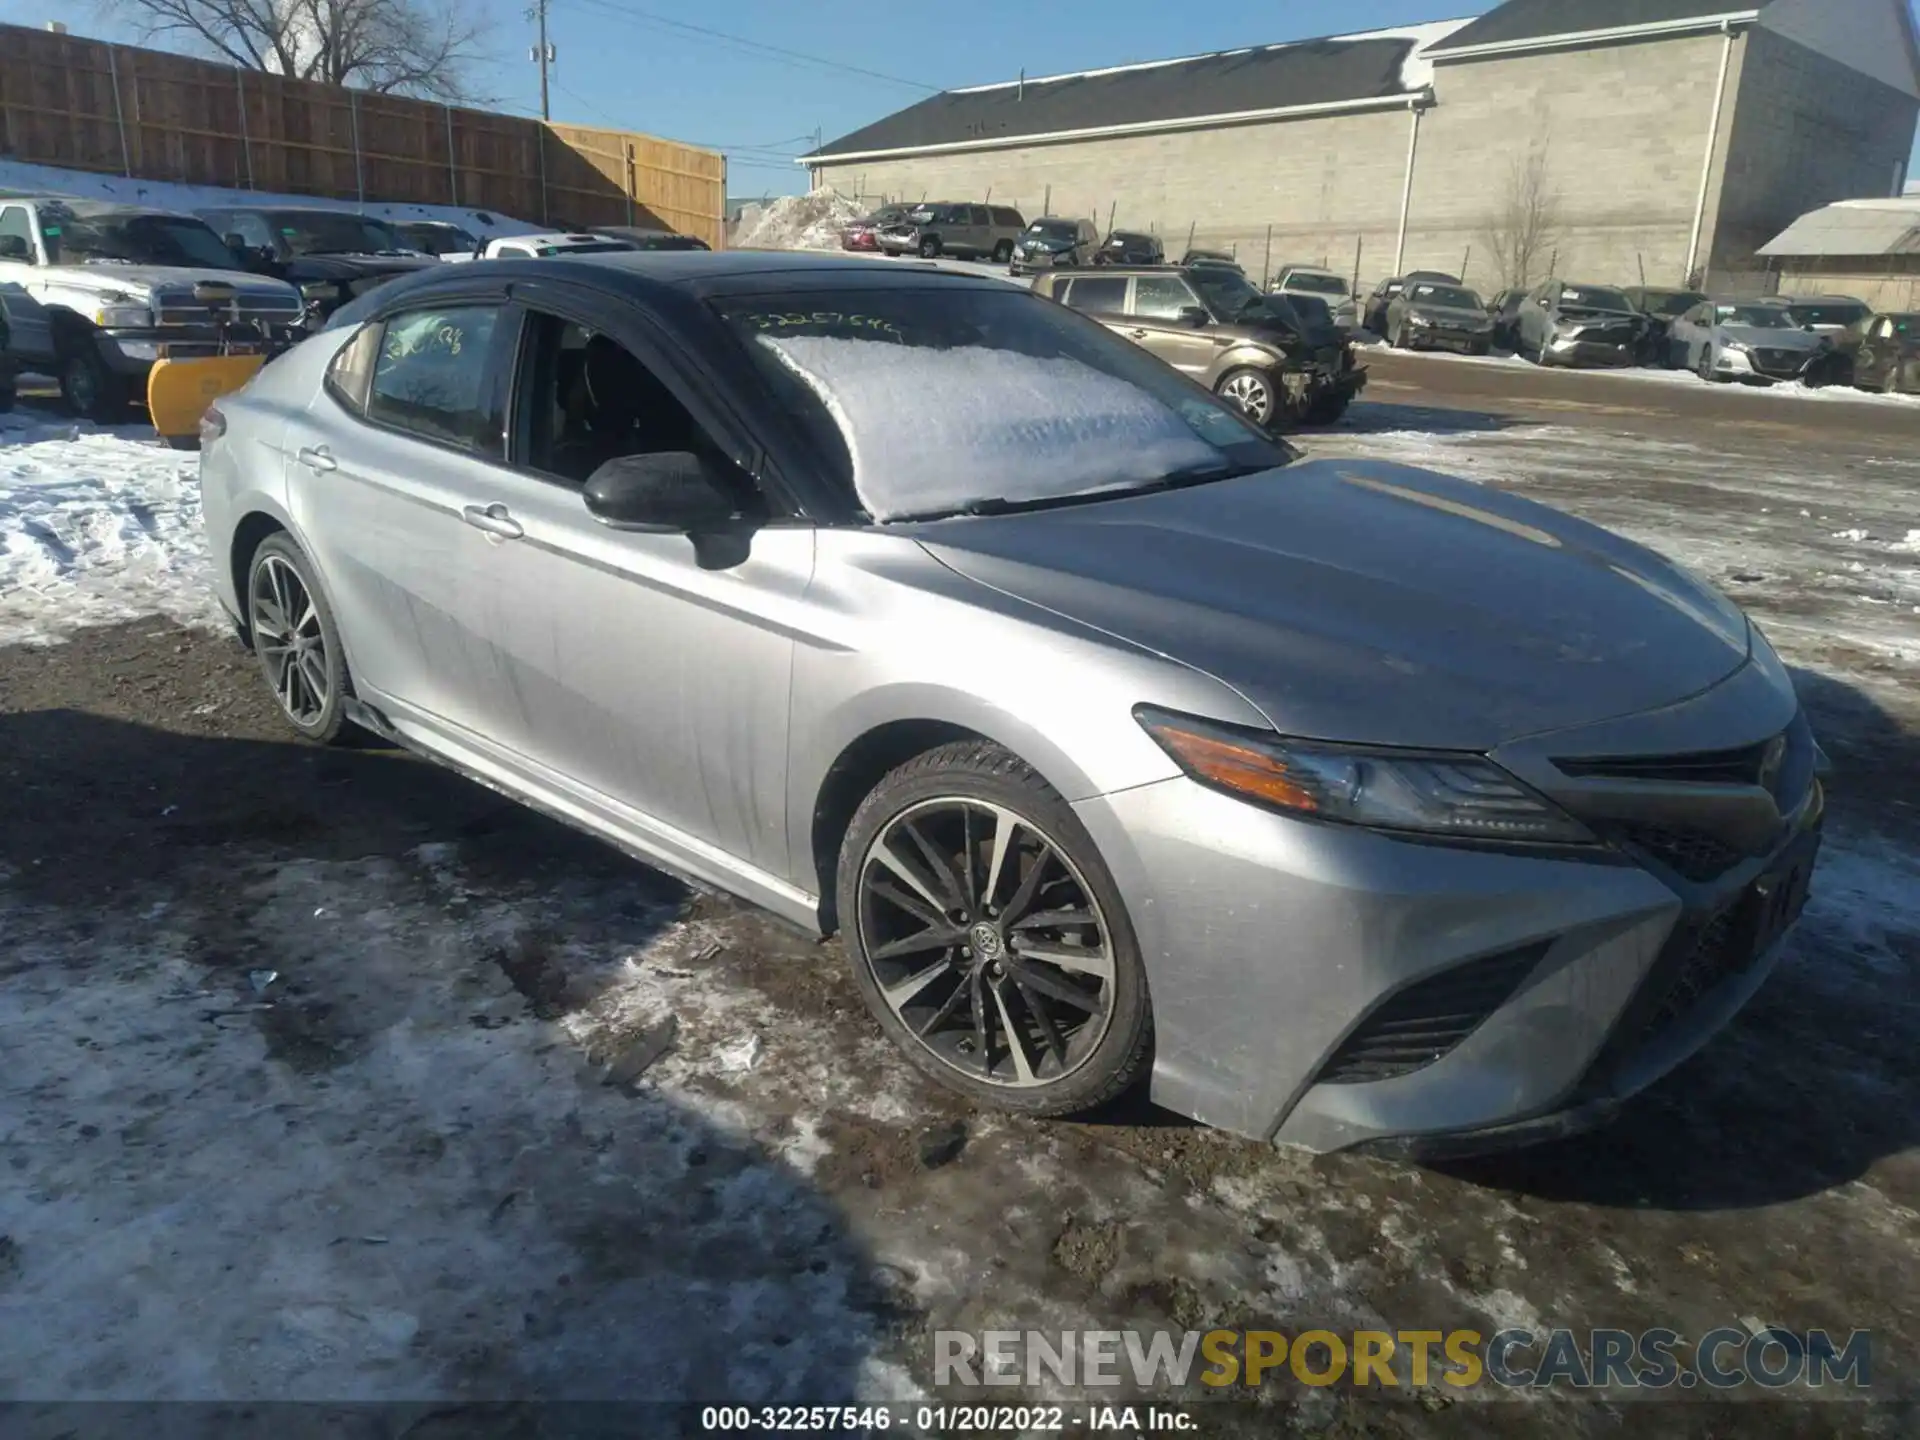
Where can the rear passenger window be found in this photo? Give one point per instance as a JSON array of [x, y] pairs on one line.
[[431, 376], [1097, 296], [1161, 297], [1003, 216]]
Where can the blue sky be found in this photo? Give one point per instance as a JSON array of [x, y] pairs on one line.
[[647, 65]]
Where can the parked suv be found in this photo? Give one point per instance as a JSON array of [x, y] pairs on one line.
[[1212, 325], [1054, 244], [1564, 323], [953, 228], [1129, 247], [331, 255]]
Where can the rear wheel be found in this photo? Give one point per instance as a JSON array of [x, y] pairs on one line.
[[987, 937], [1003, 252], [89, 387], [296, 641], [1252, 391]]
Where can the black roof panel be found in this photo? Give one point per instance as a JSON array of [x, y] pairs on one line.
[[1267, 77]]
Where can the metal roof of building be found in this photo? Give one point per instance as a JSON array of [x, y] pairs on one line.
[[1348, 70], [1852, 228], [1523, 20]]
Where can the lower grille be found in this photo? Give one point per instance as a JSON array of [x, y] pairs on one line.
[[1691, 854], [1717, 953], [1424, 1022], [1744, 766], [1778, 362]]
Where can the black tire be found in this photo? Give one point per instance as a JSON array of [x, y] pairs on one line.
[[929, 247], [89, 385], [980, 771], [1705, 368], [1397, 338], [328, 725], [1242, 377], [1003, 252]]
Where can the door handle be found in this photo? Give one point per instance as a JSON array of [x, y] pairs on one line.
[[318, 457], [494, 519]]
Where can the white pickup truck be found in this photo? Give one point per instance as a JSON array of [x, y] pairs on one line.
[[125, 286], [540, 246]]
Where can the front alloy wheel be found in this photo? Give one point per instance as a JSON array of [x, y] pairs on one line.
[[987, 938], [295, 641], [1252, 392]]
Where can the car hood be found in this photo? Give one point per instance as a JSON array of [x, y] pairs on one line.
[[1764, 339], [1371, 602], [354, 267], [1451, 314], [143, 280]]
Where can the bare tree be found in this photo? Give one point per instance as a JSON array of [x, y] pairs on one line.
[[410, 47], [1524, 226]]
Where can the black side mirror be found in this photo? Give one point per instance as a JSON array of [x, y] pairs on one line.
[[1194, 316], [672, 493]]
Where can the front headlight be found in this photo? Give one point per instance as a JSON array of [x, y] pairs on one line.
[[1420, 322], [123, 317], [1462, 796], [1739, 347]]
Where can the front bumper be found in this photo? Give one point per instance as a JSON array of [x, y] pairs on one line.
[[1575, 350], [1272, 945], [1040, 262], [1764, 365], [133, 351], [1461, 342]]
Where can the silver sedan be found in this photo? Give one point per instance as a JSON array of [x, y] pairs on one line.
[[1340, 802]]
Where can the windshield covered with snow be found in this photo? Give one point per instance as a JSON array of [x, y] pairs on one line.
[[1754, 317], [327, 232], [1313, 284], [943, 401], [132, 238]]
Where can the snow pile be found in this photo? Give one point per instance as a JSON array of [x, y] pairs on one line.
[[1006, 424], [95, 529], [1911, 542], [1416, 71], [21, 178], [799, 222]]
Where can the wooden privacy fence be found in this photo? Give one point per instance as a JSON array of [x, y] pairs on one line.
[[87, 105]]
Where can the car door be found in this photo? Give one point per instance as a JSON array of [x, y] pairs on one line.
[[384, 467], [1871, 362], [979, 229], [645, 674], [1159, 319], [18, 252]]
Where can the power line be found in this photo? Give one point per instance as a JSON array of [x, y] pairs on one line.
[[741, 42]]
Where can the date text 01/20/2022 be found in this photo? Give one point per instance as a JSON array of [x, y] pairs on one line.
[[942, 1419]]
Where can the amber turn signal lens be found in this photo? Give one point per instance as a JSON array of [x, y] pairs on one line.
[[1237, 767]]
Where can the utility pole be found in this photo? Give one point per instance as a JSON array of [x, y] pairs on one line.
[[544, 53]]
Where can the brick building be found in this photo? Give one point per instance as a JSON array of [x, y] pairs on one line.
[[1629, 136]]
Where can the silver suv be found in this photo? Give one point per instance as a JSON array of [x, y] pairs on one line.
[[943, 227]]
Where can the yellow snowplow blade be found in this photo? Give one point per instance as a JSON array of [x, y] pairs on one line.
[[179, 391]]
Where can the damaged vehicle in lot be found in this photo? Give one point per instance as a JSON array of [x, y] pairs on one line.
[[330, 256], [128, 289], [1427, 315], [1562, 323], [1743, 340], [1053, 243], [1213, 325], [1883, 354], [1658, 310], [1345, 802]]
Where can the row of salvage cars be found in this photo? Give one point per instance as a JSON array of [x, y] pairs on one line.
[[127, 305], [1341, 802], [1811, 339]]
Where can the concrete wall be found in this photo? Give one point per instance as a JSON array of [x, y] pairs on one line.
[[1322, 182], [1807, 131], [1623, 132]]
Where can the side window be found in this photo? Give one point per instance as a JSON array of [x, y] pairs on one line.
[[977, 215], [351, 372], [514, 252], [1010, 218], [583, 399], [431, 376], [1097, 297], [1883, 330], [252, 230], [16, 235], [1161, 297]]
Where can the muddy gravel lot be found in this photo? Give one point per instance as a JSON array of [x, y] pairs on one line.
[[329, 1076]]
